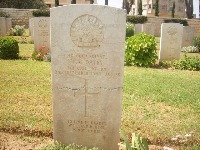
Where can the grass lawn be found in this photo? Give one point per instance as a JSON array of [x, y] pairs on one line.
[[157, 103]]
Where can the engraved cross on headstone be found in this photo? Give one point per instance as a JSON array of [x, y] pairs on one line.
[[86, 93]]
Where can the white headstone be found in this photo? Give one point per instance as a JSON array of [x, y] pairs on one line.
[[41, 32], [8, 24], [87, 51], [188, 35], [138, 28], [2, 26], [148, 28], [31, 24], [170, 42]]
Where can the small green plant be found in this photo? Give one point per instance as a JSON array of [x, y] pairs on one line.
[[188, 63], [185, 63], [4, 14], [138, 143], [41, 13], [17, 31], [196, 42], [41, 54], [136, 19], [129, 29], [190, 49], [73, 1], [141, 50], [58, 146], [91, 1], [9, 48], [175, 20]]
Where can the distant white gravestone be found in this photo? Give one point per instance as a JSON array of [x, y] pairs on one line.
[[188, 35], [170, 41], [2, 26], [8, 24], [87, 51], [41, 32]]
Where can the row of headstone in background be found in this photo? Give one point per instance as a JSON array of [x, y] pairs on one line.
[[39, 29], [149, 28], [174, 36], [5, 25]]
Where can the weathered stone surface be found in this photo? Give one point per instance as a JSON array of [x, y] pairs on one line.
[[87, 51], [148, 28], [188, 35], [2, 26], [8, 24], [31, 27], [41, 32], [170, 42], [138, 28]]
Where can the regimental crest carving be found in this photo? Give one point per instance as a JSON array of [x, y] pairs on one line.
[[172, 30], [87, 31], [42, 24]]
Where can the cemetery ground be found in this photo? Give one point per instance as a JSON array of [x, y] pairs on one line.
[[158, 104]]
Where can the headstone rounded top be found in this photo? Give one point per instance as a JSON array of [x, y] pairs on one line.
[[87, 31]]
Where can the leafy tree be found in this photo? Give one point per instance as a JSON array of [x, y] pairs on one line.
[[73, 2], [106, 2], [127, 4], [157, 8], [189, 8], [91, 1], [23, 4], [56, 3], [173, 10], [140, 8]]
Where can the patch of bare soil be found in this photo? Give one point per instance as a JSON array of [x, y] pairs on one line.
[[10, 141]]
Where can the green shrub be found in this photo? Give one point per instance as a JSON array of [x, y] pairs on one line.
[[138, 142], [196, 42], [41, 13], [136, 19], [17, 31], [186, 63], [141, 50], [4, 14], [23, 4], [9, 48], [129, 29], [190, 49], [175, 20]]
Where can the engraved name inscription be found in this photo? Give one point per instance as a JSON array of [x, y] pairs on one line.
[[81, 64]]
